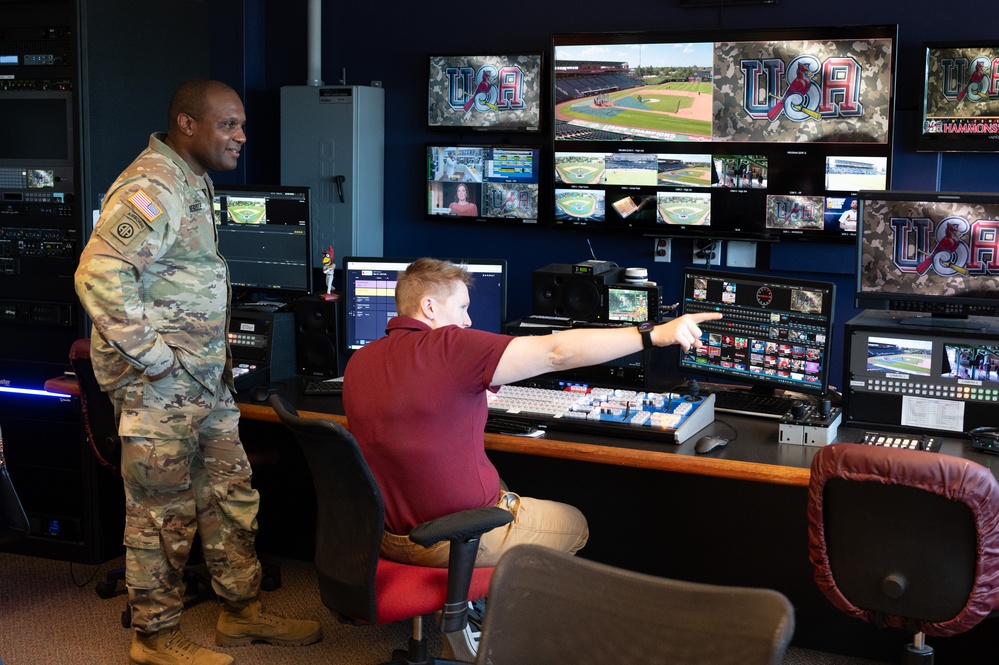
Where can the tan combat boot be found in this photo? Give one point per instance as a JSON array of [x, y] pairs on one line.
[[170, 647], [252, 623]]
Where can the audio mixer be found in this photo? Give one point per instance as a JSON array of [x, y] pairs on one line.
[[666, 417]]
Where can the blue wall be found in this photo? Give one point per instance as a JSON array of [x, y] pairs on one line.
[[262, 46]]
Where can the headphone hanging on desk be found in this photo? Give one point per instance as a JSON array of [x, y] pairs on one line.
[[985, 439]]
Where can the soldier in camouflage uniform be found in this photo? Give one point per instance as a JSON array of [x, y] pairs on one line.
[[157, 289]]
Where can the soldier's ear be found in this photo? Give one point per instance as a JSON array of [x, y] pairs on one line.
[[186, 124]]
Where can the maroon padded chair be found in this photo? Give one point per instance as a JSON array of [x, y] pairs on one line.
[[905, 539]]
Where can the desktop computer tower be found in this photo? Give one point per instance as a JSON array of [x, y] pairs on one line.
[[333, 141]]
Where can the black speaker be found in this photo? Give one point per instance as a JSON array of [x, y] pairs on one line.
[[558, 291], [316, 337]]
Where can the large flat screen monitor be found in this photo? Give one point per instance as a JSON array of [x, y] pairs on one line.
[[960, 97], [369, 295], [742, 133], [934, 253], [498, 92], [775, 334], [264, 236]]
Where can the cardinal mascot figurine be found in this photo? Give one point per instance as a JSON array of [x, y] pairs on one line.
[[328, 269]]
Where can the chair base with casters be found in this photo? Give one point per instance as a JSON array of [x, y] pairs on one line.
[[905, 539], [355, 582]]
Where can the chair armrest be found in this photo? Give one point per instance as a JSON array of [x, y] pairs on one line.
[[466, 524], [463, 531]]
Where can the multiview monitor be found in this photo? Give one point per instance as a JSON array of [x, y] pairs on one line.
[[741, 133], [484, 183]]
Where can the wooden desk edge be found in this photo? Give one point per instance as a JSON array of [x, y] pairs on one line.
[[587, 452]]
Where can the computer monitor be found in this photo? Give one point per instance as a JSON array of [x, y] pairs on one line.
[[929, 253], [265, 236], [775, 334], [369, 295]]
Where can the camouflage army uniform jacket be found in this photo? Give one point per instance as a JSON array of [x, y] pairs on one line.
[[151, 277]]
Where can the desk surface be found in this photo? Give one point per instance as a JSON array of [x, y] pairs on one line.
[[752, 454]]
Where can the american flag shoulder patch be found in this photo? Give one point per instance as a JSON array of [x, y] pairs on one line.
[[144, 205]]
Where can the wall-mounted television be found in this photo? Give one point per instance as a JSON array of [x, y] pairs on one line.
[[498, 92], [264, 235], [487, 183], [960, 97], [929, 253], [730, 134]]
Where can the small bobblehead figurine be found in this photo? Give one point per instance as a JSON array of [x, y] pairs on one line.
[[328, 268]]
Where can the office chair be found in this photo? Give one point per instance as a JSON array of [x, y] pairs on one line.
[[549, 607], [905, 539], [102, 436], [355, 583]]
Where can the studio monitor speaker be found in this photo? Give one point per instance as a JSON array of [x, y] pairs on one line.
[[558, 291], [316, 337]]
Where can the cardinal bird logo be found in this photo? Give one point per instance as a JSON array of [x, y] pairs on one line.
[[800, 86], [948, 245]]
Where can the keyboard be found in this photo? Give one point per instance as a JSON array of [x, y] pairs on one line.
[[749, 403], [906, 441], [327, 387], [611, 412]]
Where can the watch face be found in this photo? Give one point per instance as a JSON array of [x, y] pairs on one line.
[[646, 327], [764, 296]]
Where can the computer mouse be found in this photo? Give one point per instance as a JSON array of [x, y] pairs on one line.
[[709, 442]]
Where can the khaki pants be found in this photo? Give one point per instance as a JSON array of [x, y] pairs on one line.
[[548, 523]]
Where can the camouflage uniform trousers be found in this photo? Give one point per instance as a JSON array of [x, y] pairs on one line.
[[184, 469]]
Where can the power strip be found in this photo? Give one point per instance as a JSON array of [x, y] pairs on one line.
[[811, 428]]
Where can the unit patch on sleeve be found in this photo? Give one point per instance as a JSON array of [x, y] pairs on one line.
[[124, 230]]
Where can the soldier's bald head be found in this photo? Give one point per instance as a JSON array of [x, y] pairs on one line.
[[193, 98]]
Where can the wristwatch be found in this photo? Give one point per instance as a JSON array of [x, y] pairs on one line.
[[645, 329]]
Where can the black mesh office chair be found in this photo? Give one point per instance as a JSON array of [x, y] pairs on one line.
[[905, 539], [102, 436], [549, 607], [357, 584]]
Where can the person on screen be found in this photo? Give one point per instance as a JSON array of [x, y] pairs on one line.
[[848, 220], [416, 401], [152, 280], [461, 205]]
